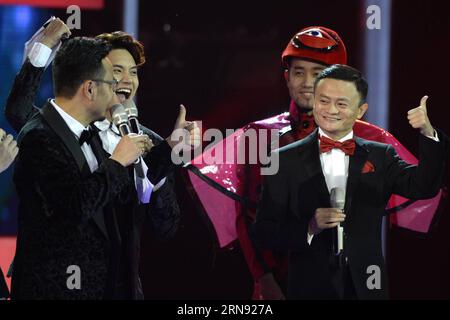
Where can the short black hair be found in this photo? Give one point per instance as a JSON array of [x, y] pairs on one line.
[[123, 40], [346, 73], [79, 59]]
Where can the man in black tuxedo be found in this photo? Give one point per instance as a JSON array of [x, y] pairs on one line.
[[295, 213], [76, 201], [161, 208]]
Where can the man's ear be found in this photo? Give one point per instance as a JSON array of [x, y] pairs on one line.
[[362, 110], [88, 89]]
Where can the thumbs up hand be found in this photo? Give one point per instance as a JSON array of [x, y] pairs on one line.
[[418, 118], [189, 131]]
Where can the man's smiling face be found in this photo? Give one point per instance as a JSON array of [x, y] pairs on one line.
[[125, 71], [337, 106]]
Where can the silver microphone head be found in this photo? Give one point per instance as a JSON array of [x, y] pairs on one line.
[[119, 116], [130, 108], [337, 198]]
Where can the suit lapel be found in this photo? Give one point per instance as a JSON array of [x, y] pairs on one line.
[[355, 166], [54, 120], [314, 167]]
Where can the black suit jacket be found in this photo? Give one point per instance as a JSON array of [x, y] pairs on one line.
[[291, 196], [163, 211], [61, 212]]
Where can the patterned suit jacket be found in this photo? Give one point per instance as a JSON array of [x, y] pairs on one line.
[[162, 212]]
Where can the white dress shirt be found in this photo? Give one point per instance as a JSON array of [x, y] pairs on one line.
[[335, 164], [334, 167]]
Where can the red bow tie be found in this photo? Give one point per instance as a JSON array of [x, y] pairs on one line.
[[326, 144]]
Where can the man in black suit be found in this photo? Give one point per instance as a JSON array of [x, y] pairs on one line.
[[161, 208], [295, 213], [75, 200]]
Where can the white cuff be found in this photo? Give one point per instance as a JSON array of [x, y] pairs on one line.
[[39, 55], [435, 136]]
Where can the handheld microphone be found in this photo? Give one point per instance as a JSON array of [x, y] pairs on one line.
[[337, 200], [132, 113], [120, 119]]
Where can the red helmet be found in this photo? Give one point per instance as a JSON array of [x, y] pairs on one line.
[[319, 44]]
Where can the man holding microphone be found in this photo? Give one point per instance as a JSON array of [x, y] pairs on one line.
[[295, 213]]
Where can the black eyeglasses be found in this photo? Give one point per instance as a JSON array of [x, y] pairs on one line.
[[113, 83]]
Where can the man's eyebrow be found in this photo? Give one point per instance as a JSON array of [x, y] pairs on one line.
[[122, 67]]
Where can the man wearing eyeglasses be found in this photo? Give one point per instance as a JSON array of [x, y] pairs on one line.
[[66, 184], [70, 242], [155, 200]]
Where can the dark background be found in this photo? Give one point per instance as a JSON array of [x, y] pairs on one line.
[[222, 61]]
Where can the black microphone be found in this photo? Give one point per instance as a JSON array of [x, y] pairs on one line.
[[337, 200], [132, 113], [120, 119]]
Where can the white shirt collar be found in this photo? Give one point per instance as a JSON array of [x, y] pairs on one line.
[[105, 124], [74, 125], [346, 137], [102, 125]]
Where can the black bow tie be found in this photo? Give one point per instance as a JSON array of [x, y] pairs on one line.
[[86, 136]]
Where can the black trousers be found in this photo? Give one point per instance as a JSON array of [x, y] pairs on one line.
[[342, 279], [349, 287]]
